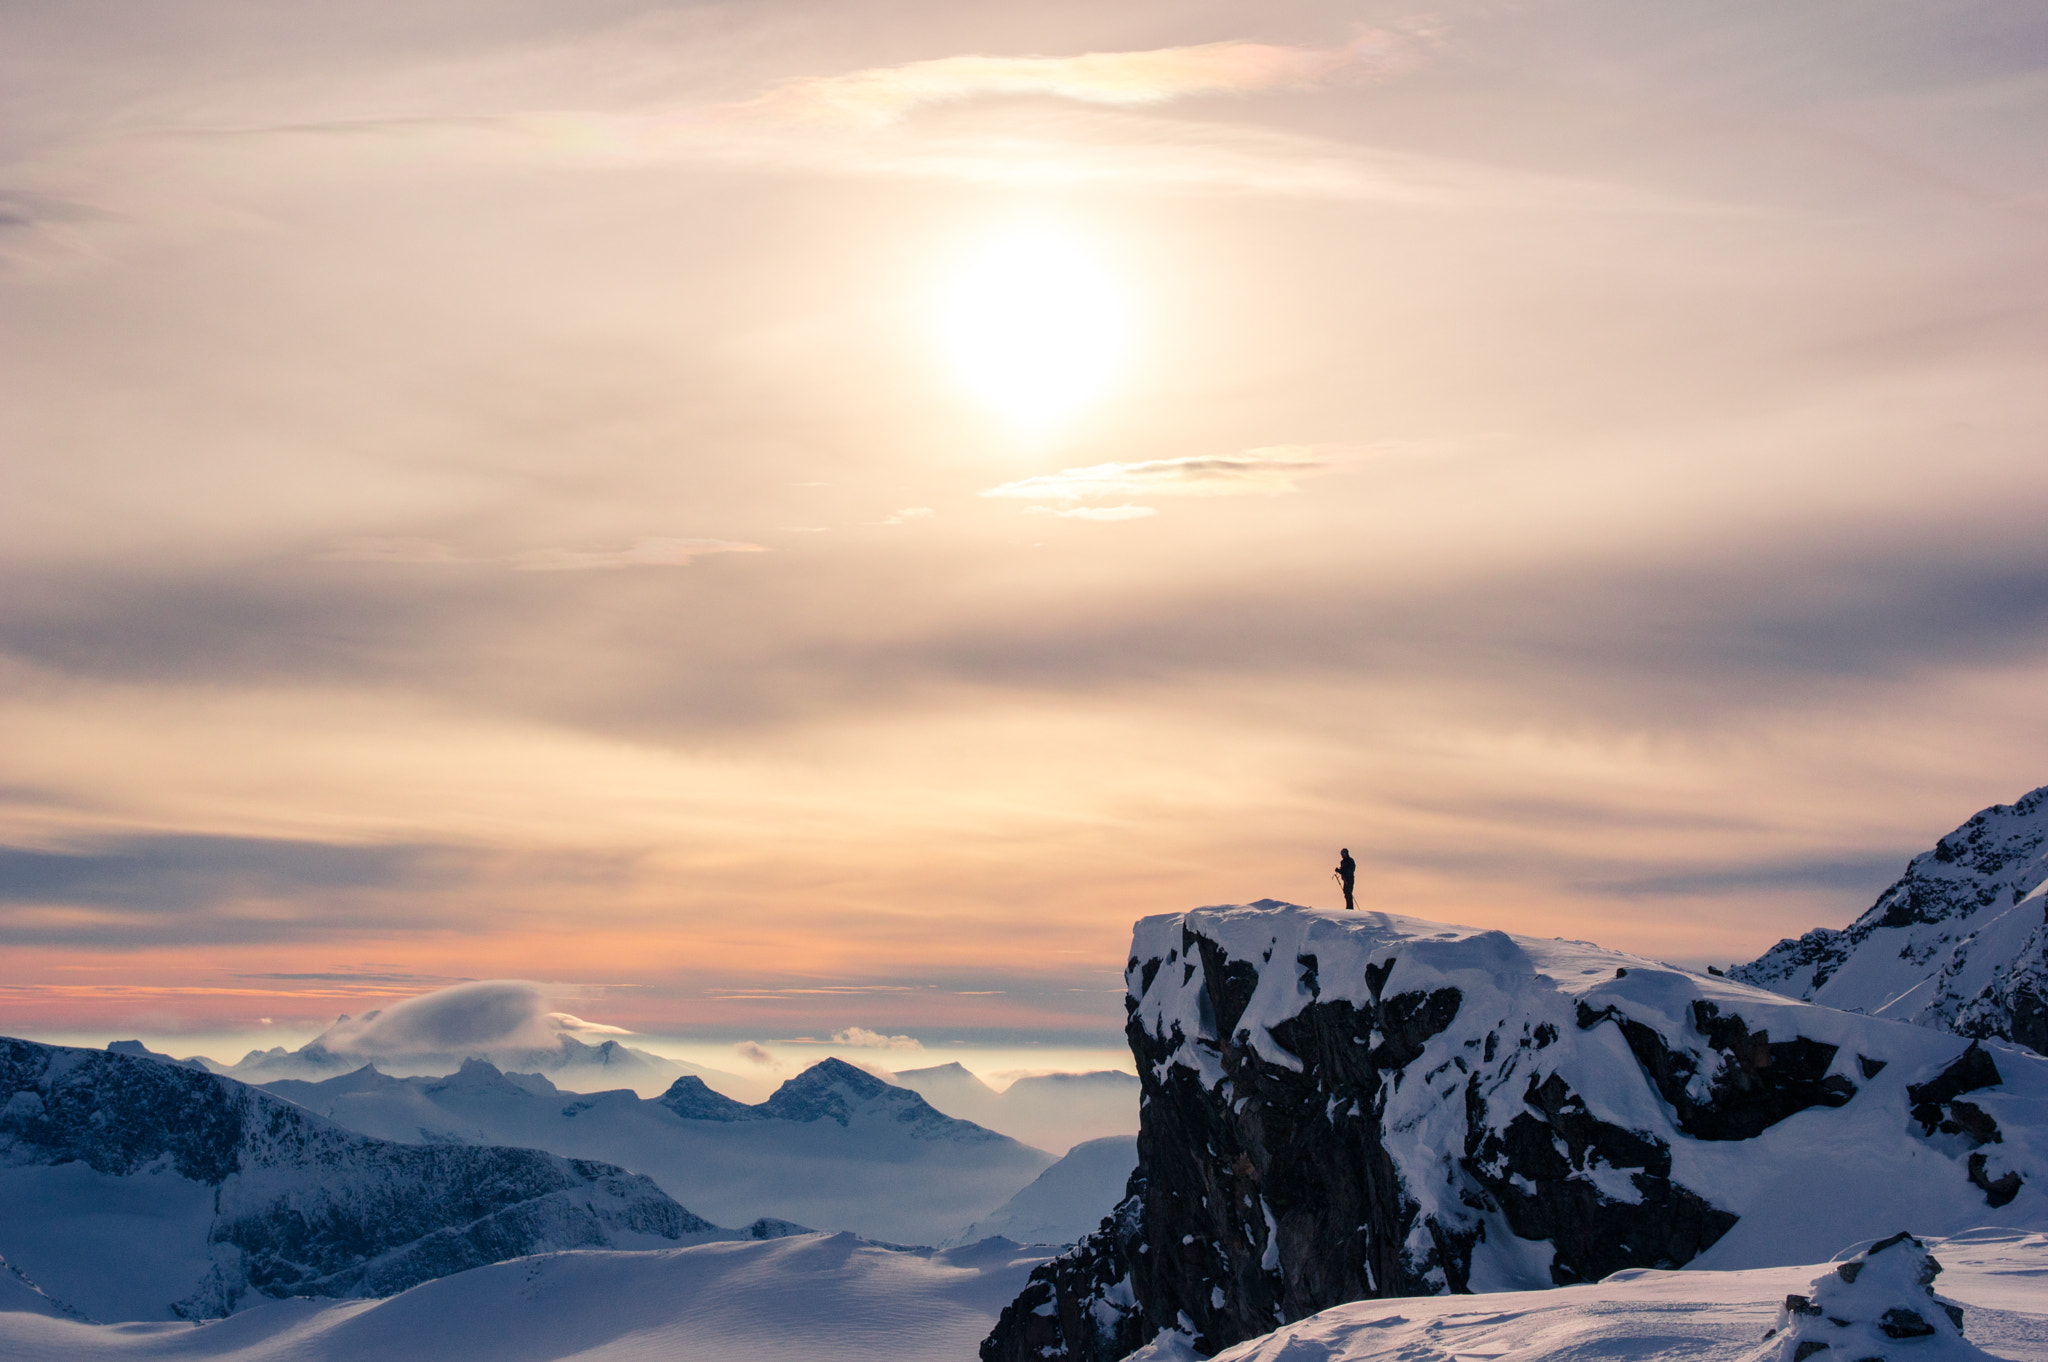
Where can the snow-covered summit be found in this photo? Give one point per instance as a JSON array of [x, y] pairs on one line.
[[1346, 1105], [833, 1090], [1958, 942]]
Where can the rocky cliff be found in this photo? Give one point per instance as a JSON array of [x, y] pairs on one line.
[[1348, 1105], [1958, 942], [300, 1206]]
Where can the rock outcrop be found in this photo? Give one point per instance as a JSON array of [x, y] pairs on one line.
[[1349, 1105], [1958, 942], [302, 1207], [1866, 1307]]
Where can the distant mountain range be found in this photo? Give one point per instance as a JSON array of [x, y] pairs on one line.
[[505, 1021], [136, 1189], [835, 1147], [1959, 942], [1052, 1111]]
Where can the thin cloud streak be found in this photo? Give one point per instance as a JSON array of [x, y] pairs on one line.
[[648, 551], [1269, 471], [880, 95]]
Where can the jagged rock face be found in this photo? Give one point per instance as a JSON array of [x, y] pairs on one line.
[[1959, 942], [1340, 1106], [301, 1206]]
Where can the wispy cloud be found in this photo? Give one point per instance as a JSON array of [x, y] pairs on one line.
[[907, 514], [883, 94], [643, 552], [1095, 512], [874, 1040], [1267, 471]]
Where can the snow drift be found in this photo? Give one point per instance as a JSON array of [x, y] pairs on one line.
[[791, 1300], [1703, 1316], [1341, 1106]]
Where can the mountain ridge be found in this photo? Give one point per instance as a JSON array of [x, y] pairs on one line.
[[833, 1147], [1958, 942]]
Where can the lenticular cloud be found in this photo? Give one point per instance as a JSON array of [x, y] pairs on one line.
[[490, 1017]]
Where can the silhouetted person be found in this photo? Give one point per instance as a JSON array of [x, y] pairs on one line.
[[1347, 875]]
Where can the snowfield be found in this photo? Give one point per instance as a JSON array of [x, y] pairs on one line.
[[802, 1299], [835, 1298], [1999, 1276]]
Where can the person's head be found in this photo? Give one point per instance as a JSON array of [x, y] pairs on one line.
[[1343, 851]]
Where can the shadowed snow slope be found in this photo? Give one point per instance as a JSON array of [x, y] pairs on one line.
[[1351, 1105], [1067, 1200], [834, 1148], [2000, 1278], [1960, 942], [791, 1300], [135, 1189]]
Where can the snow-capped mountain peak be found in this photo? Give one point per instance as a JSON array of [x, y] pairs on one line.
[[833, 1090], [1959, 942]]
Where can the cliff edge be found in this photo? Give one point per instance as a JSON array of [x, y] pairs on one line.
[[1347, 1105]]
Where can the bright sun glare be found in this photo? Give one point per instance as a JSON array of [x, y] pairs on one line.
[[1035, 325]]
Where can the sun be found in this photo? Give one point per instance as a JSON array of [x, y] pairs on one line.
[[1034, 325]]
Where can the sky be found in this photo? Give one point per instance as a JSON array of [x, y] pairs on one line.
[[787, 518]]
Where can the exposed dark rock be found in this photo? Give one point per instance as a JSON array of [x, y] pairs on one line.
[[1756, 1083], [1882, 1296], [1973, 1069], [1081, 1304], [1998, 1191]]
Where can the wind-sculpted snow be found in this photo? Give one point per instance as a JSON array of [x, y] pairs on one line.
[[1349, 1105], [1959, 942], [834, 1148], [803, 1299], [1766, 1315], [299, 1206]]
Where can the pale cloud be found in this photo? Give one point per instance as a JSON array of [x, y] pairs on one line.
[[651, 551], [874, 1040], [1267, 471], [883, 94], [755, 1053], [641, 553], [907, 514], [576, 1026], [1095, 512]]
